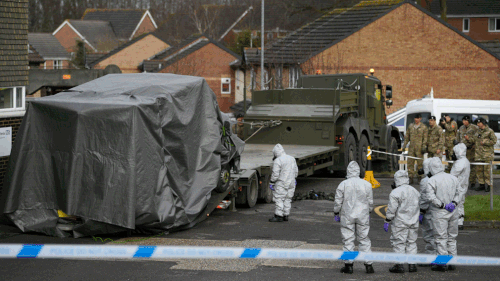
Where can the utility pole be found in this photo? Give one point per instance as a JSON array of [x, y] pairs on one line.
[[262, 49]]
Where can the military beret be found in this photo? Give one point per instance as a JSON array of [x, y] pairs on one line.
[[432, 117]]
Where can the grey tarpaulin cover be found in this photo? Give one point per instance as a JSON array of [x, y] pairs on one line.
[[124, 151]]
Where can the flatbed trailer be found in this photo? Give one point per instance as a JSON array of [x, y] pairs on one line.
[[252, 182]]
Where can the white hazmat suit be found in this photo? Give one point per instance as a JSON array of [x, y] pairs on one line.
[[402, 213], [443, 189], [354, 202], [285, 171], [461, 170], [427, 234]]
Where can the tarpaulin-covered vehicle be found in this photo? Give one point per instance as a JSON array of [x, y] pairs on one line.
[[122, 152]]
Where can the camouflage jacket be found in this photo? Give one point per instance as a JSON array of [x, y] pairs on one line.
[[435, 140], [469, 131], [416, 135], [450, 133], [485, 141]]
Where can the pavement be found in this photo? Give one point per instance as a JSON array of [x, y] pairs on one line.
[[311, 226]]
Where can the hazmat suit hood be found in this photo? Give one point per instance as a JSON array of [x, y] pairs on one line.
[[278, 150], [460, 150], [353, 170], [426, 165], [436, 166], [401, 178]]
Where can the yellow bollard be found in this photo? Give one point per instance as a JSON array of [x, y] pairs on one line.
[[369, 171]]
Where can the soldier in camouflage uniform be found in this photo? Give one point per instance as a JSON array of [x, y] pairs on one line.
[[485, 140], [435, 139], [416, 135], [466, 135], [450, 135]]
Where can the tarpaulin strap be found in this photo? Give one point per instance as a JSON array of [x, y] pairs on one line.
[[180, 252]]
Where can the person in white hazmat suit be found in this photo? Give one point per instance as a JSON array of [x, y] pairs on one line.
[[283, 183], [402, 214], [444, 193], [425, 217], [461, 170], [352, 207]]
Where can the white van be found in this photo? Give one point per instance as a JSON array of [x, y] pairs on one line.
[[457, 108]]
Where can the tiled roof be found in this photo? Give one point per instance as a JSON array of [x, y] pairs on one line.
[[172, 54], [493, 46], [99, 33], [93, 57], [123, 46], [468, 7], [122, 21], [324, 31], [47, 46], [34, 56]]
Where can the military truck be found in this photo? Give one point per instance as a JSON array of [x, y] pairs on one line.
[[346, 111], [324, 123]]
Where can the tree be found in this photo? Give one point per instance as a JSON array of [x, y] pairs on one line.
[[242, 40], [79, 59]]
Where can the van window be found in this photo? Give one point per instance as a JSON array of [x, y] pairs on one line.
[[425, 118], [492, 119]]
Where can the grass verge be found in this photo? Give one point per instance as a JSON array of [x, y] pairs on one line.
[[477, 208]]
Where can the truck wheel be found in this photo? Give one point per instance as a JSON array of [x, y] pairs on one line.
[[393, 160], [351, 150], [224, 179], [363, 151], [252, 192]]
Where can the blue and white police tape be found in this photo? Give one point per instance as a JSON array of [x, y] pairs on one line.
[[181, 252]]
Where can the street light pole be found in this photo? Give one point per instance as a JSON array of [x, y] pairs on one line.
[[262, 49]]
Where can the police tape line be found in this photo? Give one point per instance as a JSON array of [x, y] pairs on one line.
[[181, 252], [418, 158]]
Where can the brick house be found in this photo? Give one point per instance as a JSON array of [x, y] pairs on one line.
[[103, 30], [409, 48], [129, 56], [13, 75], [50, 50], [479, 19], [201, 56]]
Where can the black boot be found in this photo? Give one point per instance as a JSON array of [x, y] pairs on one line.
[[487, 188], [472, 186], [481, 187], [437, 267], [460, 227], [424, 264], [369, 268], [451, 267], [285, 218], [411, 180], [276, 219], [397, 268], [347, 269], [412, 268]]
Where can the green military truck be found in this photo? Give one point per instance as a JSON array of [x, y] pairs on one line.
[[345, 111], [324, 123]]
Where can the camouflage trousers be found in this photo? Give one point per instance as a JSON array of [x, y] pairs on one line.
[[415, 152], [432, 154], [470, 156], [483, 173], [449, 153]]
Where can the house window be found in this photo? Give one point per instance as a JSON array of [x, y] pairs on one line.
[[12, 98], [225, 85], [466, 25], [494, 25], [58, 64]]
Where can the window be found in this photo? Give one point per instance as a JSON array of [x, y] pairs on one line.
[[411, 118], [494, 25], [466, 25], [293, 76], [58, 64], [493, 120], [225, 85], [12, 98]]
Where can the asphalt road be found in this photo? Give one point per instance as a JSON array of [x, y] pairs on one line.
[[311, 226]]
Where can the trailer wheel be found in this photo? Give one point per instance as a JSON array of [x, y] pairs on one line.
[[266, 195], [351, 150], [252, 192], [393, 160], [224, 179], [363, 151]]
